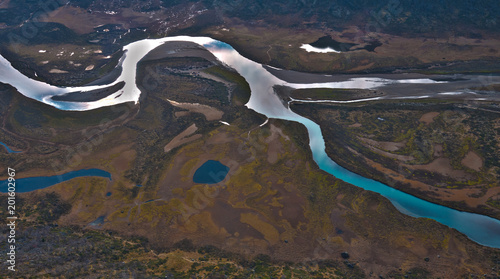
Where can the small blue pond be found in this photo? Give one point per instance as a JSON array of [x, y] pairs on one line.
[[29, 184], [8, 149], [210, 172]]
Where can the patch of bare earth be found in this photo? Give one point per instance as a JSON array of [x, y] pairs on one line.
[[275, 147], [428, 117], [57, 71], [385, 145], [379, 147], [219, 138], [472, 161], [442, 166], [226, 216], [438, 150], [182, 138], [209, 112]]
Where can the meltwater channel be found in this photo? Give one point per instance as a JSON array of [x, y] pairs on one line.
[[479, 228]]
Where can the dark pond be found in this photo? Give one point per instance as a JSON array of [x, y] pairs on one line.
[[210, 172], [327, 41]]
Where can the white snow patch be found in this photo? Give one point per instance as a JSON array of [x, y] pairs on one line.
[[310, 48]]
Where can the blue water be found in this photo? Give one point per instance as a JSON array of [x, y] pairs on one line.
[[29, 184], [479, 228], [8, 149], [210, 172], [219, 45]]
